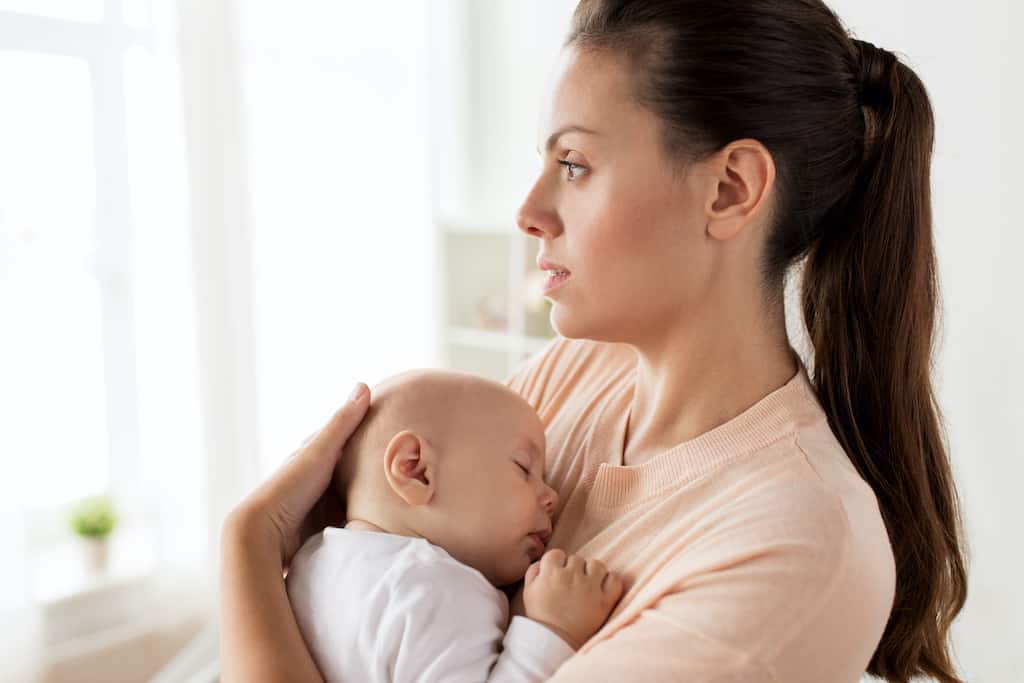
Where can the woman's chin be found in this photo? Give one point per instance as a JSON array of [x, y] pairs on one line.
[[571, 324], [565, 323]]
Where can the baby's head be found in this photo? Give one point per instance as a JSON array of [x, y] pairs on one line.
[[458, 460]]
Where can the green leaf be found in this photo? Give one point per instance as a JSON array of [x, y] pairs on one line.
[[94, 517]]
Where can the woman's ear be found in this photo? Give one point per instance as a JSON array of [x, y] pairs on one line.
[[743, 176], [410, 468]]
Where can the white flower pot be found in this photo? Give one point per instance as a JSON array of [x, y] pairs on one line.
[[96, 553]]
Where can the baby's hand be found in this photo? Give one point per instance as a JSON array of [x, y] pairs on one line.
[[571, 596]]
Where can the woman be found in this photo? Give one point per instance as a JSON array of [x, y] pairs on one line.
[[770, 527]]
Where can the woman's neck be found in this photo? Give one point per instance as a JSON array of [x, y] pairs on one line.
[[691, 383]]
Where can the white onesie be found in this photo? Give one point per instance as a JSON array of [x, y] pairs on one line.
[[383, 608]]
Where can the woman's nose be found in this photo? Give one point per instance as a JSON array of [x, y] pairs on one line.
[[535, 217]]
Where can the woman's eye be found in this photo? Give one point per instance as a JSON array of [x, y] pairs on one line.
[[569, 165]]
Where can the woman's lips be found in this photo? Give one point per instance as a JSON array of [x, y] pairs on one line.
[[555, 281], [558, 274]]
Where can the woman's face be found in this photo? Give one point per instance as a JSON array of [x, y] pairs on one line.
[[608, 208]]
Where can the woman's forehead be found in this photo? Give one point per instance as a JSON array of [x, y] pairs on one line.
[[590, 96]]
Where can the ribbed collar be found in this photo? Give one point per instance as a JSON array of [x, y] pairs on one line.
[[772, 418]]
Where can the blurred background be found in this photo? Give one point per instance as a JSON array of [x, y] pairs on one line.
[[216, 217]]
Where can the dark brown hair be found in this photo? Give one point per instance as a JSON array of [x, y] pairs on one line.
[[851, 130]]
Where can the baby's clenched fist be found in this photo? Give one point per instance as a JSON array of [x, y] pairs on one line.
[[570, 595]]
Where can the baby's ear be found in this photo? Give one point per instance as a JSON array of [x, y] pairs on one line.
[[409, 468]]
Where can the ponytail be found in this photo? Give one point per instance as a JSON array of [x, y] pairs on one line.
[[869, 298]]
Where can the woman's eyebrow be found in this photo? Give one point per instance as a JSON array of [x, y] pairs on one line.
[[571, 128]]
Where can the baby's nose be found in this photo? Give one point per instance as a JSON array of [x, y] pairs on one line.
[[549, 499]]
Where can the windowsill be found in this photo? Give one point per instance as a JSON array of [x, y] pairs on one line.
[[76, 600], [62, 569]]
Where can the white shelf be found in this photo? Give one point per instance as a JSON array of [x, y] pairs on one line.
[[495, 340], [493, 320]]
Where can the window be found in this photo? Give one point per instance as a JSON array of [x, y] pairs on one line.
[[92, 237]]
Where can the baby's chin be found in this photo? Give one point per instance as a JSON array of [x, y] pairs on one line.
[[512, 572]]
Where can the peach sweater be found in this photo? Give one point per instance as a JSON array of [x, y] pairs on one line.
[[754, 552]]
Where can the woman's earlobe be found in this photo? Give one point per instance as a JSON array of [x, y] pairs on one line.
[[725, 229]]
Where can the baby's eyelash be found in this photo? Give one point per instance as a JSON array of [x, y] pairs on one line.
[[524, 469]]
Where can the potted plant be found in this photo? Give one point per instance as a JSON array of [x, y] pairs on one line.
[[93, 519]]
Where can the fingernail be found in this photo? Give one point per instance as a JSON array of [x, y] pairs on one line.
[[356, 393]]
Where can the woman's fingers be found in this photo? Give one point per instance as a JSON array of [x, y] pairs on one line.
[[339, 428], [341, 424]]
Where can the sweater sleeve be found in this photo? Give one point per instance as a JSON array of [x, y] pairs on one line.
[[448, 625], [660, 645]]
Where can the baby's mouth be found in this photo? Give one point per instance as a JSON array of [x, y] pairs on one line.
[[538, 543], [544, 535]]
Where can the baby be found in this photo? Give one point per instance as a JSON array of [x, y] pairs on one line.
[[446, 503]]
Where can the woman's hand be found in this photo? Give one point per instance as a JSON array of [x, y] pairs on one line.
[[298, 501], [259, 639]]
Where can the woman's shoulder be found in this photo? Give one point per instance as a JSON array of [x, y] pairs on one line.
[[808, 478], [582, 366], [813, 499]]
